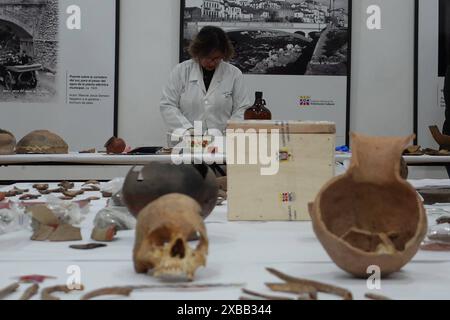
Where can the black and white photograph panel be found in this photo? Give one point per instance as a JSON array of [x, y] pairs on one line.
[[290, 37], [28, 50], [444, 36]]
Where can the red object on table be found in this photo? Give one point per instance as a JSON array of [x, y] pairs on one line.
[[34, 278]]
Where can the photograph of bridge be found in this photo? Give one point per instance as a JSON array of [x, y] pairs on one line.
[[290, 37], [28, 50], [444, 36]]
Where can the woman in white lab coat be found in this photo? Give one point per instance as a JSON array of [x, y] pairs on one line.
[[205, 88]]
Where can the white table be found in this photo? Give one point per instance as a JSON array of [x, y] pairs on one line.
[[99, 159], [106, 159], [410, 160], [239, 253], [75, 166]]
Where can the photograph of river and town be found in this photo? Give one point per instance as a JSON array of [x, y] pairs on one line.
[[290, 37]]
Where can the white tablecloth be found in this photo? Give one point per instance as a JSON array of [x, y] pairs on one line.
[[239, 253], [109, 159]]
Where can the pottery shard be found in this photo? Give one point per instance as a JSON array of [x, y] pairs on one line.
[[43, 233], [66, 232], [7, 142], [43, 215], [42, 142], [435, 195], [103, 235]]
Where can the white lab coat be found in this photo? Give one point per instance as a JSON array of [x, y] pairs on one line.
[[186, 100]]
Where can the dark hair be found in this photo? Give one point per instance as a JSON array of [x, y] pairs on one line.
[[211, 38]]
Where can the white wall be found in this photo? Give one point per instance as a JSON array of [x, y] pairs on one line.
[[382, 93], [383, 69], [149, 36]]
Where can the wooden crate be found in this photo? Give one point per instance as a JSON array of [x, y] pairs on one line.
[[306, 153]]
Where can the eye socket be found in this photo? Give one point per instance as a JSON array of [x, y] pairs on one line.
[[195, 240], [161, 236]]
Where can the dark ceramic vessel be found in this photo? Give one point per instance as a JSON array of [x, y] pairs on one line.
[[154, 180]]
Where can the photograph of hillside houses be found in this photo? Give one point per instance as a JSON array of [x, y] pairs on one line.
[[286, 37]]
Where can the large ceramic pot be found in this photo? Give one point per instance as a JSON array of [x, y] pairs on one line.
[[146, 184], [370, 216], [7, 142], [42, 142]]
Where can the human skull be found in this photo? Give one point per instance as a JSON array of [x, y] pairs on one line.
[[7, 142], [42, 142], [163, 230]]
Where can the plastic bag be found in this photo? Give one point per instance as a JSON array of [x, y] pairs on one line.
[[13, 219], [440, 233], [113, 186], [67, 212], [117, 216]]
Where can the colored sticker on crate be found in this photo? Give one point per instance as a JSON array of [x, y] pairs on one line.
[[287, 197], [284, 155]]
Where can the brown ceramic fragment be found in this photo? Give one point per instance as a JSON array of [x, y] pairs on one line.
[[56, 190], [73, 194], [91, 188], [43, 215], [89, 246], [91, 182], [115, 145], [89, 151], [8, 290], [413, 150], [15, 192], [443, 220], [91, 199], [432, 152], [304, 289], [30, 292], [66, 198], [106, 194], [29, 197], [42, 233], [120, 291], [47, 293], [41, 186], [373, 296], [104, 235], [66, 185], [10, 194], [66, 232], [434, 195], [436, 246]]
